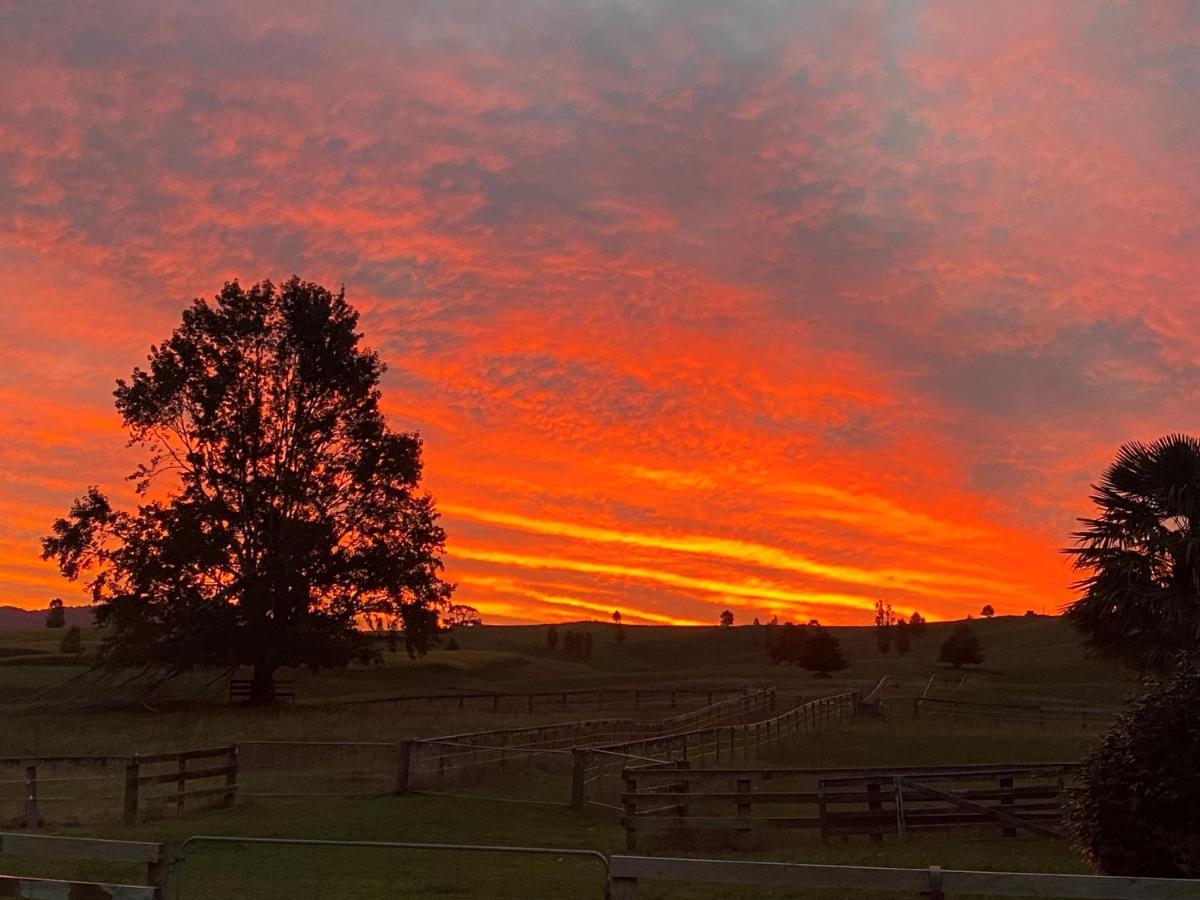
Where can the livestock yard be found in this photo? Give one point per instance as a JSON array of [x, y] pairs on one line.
[[685, 743]]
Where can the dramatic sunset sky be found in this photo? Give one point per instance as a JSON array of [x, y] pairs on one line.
[[779, 307]]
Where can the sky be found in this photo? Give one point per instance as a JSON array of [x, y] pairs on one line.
[[774, 307]]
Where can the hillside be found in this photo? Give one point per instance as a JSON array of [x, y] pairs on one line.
[[13, 618]]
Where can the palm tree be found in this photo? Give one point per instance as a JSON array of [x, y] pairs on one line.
[[1140, 600]]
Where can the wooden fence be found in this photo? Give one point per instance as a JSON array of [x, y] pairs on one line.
[[1084, 717], [598, 773], [153, 856], [431, 763], [635, 698], [177, 771], [935, 883], [875, 802]]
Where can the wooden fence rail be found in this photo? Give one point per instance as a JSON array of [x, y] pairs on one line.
[[153, 856], [839, 802], [638, 698], [179, 769], [1085, 717], [935, 883]]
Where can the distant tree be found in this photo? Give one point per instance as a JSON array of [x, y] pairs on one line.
[[616, 617], [757, 623], [988, 611], [1030, 614], [821, 653], [571, 643], [459, 616], [961, 648], [284, 508], [452, 643], [917, 624], [72, 641], [56, 616], [884, 622], [903, 637], [585, 645], [726, 619], [814, 621], [552, 636], [1140, 557], [1138, 810]]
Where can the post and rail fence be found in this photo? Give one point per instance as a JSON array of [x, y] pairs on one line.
[[842, 802], [152, 856]]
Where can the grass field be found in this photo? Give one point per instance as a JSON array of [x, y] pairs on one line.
[[1028, 660]]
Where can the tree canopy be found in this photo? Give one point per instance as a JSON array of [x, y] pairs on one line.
[[276, 508], [962, 648], [1140, 557]]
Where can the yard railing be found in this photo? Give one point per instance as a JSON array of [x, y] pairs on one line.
[[747, 802], [637, 698], [1084, 717], [146, 776], [22, 888], [935, 883]]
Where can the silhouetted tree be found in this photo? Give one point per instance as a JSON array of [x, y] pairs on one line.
[[916, 624], [961, 648], [459, 616], [571, 643], [585, 645], [56, 616], [1140, 556], [620, 632], [821, 652], [726, 619], [72, 641], [885, 619], [290, 509], [552, 636], [452, 644], [903, 637], [988, 611], [1138, 810]]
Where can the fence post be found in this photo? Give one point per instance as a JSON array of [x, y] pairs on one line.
[[231, 777], [579, 761], [181, 783], [403, 767], [630, 806], [1006, 784], [156, 873], [33, 817], [874, 805], [745, 828], [132, 771]]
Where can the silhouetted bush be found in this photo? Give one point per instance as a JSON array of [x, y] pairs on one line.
[[72, 641], [962, 648], [1139, 811]]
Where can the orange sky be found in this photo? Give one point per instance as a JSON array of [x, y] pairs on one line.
[[776, 308]]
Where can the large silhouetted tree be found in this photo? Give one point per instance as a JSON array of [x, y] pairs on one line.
[[1140, 556], [277, 506]]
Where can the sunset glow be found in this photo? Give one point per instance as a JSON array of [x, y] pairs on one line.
[[775, 308]]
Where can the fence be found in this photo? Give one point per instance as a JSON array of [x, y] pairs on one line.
[[935, 883], [178, 769], [70, 790], [150, 855], [637, 698], [1085, 717], [603, 767], [455, 760], [842, 801]]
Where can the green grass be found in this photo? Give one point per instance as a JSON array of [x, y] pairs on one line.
[[1034, 660]]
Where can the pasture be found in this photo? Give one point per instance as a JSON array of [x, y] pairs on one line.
[[53, 707]]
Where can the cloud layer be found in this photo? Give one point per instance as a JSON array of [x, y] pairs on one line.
[[781, 308]]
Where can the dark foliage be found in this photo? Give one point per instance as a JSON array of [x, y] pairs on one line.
[[726, 619], [917, 624], [552, 636], [885, 621], [988, 611], [1138, 813], [56, 616], [961, 648], [290, 510], [72, 641], [810, 647], [903, 637], [1140, 556], [460, 616]]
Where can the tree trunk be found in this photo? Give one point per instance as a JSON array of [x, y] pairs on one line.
[[262, 684]]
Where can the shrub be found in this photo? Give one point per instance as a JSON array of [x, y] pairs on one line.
[[962, 648], [1138, 813], [72, 641]]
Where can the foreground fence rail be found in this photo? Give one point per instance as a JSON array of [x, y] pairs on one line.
[[151, 855], [626, 872], [1084, 716]]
